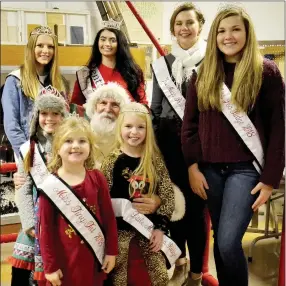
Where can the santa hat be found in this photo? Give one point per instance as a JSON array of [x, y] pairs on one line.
[[110, 90], [48, 99]]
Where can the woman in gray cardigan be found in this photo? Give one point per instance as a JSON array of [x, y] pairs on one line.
[[167, 107]]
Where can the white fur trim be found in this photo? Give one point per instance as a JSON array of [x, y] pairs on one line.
[[114, 90], [180, 204]]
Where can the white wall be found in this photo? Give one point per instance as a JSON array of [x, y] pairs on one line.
[[268, 18], [91, 7], [34, 5]]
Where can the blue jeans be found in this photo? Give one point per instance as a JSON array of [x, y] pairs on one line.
[[229, 202]]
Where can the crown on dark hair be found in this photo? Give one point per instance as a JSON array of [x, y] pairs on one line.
[[111, 24]]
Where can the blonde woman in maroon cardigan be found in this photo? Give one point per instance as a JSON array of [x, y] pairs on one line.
[[236, 94]]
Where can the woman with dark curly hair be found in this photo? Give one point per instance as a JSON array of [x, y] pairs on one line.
[[110, 60]]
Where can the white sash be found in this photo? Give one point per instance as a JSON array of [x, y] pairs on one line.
[[17, 74], [123, 208], [170, 90], [244, 127], [85, 82], [72, 208]]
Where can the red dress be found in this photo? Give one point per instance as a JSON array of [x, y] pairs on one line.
[[108, 75], [63, 249]]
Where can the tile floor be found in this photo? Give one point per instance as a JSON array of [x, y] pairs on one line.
[[263, 271]]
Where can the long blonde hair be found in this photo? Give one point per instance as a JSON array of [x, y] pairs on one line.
[[248, 71], [29, 81], [69, 126], [150, 152]]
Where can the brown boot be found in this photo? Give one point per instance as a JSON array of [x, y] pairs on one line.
[[194, 282], [180, 275]]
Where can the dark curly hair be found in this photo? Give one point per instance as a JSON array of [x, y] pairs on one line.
[[125, 64]]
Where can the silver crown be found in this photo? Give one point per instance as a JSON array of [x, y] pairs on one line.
[[43, 30], [73, 115], [111, 24], [233, 5], [135, 107], [50, 90]]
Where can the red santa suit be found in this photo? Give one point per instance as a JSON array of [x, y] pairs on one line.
[[62, 248]]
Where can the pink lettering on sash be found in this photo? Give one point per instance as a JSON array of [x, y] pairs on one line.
[[99, 239], [140, 219], [249, 130], [90, 226], [172, 249], [79, 213], [63, 195]]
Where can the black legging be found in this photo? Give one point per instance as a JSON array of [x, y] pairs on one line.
[[20, 277], [192, 227]]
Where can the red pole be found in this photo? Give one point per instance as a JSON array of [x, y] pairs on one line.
[[146, 29], [208, 279], [281, 281]]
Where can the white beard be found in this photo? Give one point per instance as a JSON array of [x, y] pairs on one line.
[[104, 129], [103, 126]]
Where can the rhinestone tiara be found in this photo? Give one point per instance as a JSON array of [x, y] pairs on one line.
[[111, 24], [135, 107], [43, 30], [232, 5], [50, 90], [73, 115]]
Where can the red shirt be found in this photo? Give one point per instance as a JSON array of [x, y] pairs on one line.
[[64, 249], [209, 137], [108, 75]]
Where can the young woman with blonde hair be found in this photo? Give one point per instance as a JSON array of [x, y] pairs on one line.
[[187, 52], [23, 85], [135, 169], [233, 135]]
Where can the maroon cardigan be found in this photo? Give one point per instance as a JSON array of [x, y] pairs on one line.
[[209, 137]]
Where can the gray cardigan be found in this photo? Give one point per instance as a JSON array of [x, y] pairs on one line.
[[24, 196]]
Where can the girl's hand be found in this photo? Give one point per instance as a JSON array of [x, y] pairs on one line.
[[265, 193], [31, 232], [198, 182], [19, 181], [55, 278], [146, 205], [108, 263], [156, 240]]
